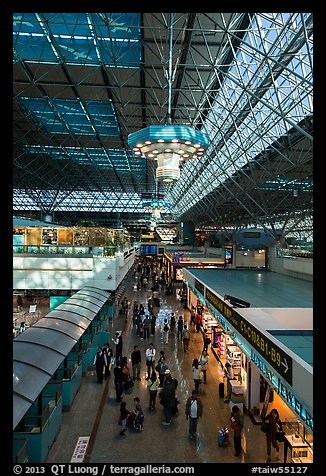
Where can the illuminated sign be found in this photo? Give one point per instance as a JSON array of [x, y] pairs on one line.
[[148, 250], [282, 390], [296, 405], [228, 250], [273, 354], [200, 287]]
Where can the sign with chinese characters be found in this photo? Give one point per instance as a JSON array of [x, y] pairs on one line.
[[273, 354], [285, 392], [80, 449], [200, 287]]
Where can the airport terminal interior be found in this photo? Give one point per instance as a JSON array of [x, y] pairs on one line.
[[163, 238]]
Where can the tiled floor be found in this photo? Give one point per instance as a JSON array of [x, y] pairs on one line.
[[95, 411]]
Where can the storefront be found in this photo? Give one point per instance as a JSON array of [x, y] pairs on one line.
[[25, 237], [266, 373], [176, 261]]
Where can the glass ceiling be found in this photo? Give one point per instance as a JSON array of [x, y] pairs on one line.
[[117, 159], [66, 116], [78, 38], [267, 91], [84, 81]]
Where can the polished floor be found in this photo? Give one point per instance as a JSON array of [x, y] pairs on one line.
[[95, 411]]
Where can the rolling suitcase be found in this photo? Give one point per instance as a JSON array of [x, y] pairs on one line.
[[221, 390], [223, 436], [220, 438], [128, 384]]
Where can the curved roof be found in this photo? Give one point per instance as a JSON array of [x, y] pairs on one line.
[[38, 351], [95, 291]]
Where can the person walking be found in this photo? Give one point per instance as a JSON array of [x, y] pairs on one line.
[[165, 332], [138, 415], [167, 398], [153, 323], [118, 381], [203, 362], [99, 362], [136, 363], [146, 324], [229, 376], [274, 426], [161, 367], [179, 327], [197, 322], [109, 355], [19, 303], [124, 306], [118, 345], [237, 427], [206, 341], [172, 323], [192, 315], [135, 314], [150, 359], [124, 414], [196, 374], [186, 338], [193, 410], [152, 386]]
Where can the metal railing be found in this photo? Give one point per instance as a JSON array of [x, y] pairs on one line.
[[98, 251]]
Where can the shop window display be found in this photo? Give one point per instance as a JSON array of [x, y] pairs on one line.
[[297, 449]]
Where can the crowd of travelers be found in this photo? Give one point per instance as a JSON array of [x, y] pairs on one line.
[[150, 275]]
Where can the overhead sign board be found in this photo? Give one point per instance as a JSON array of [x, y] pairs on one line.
[[273, 354], [148, 250], [286, 393], [228, 254], [200, 287]]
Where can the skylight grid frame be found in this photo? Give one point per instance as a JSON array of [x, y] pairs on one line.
[[82, 201], [180, 184], [79, 45]]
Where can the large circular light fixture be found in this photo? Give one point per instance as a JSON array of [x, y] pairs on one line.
[[156, 207], [169, 145]]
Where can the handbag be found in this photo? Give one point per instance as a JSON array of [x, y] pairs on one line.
[[235, 425], [264, 426], [280, 435]]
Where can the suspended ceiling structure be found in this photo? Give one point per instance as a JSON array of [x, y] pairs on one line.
[[83, 82]]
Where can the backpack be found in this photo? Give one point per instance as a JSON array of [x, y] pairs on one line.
[[166, 328], [186, 334]]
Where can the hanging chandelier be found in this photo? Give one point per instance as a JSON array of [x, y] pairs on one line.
[[168, 144], [156, 207]]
